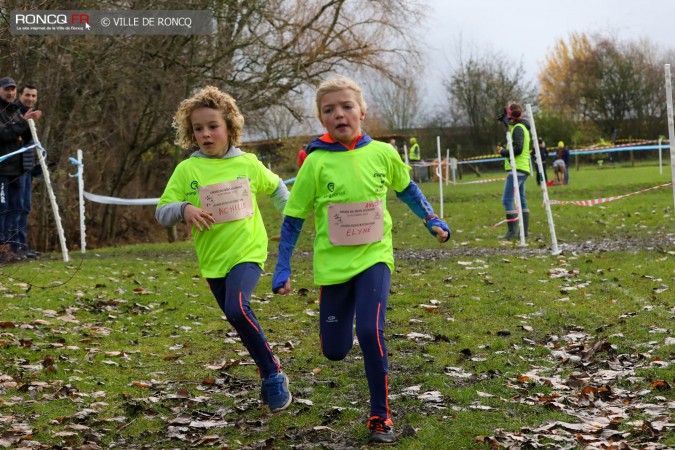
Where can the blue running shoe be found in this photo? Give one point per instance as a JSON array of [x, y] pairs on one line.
[[275, 393]]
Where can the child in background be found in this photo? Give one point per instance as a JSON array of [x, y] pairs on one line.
[[345, 180], [214, 191], [560, 166]]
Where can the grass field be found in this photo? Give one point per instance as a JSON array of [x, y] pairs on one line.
[[490, 344]]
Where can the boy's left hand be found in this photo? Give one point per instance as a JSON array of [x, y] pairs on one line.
[[441, 234], [281, 280], [285, 289], [439, 229]]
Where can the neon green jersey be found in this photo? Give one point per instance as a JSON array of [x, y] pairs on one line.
[[360, 175], [225, 244]]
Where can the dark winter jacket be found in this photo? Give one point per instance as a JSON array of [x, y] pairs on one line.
[[13, 134], [28, 156]]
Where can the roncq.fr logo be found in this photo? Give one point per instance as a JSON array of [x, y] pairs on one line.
[[50, 19]]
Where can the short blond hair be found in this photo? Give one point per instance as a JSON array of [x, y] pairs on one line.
[[338, 84], [208, 97]]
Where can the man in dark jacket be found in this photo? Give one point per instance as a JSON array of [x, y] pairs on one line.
[[27, 99], [544, 154], [14, 133]]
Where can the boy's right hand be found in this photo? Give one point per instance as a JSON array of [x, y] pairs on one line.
[[198, 217]]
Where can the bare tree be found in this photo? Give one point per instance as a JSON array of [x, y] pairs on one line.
[[479, 86], [395, 102], [280, 121], [114, 96]]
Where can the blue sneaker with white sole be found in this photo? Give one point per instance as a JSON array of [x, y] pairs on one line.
[[275, 393]]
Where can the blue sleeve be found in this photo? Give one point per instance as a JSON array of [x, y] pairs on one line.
[[418, 203], [290, 231]]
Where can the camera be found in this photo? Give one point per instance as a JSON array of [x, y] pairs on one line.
[[503, 117]]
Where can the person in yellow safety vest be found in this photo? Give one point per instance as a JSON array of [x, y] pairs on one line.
[[414, 154], [414, 157], [519, 128]]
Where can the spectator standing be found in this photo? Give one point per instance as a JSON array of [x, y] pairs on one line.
[[414, 157], [14, 133], [566, 159], [520, 140], [414, 154], [544, 154], [392, 142], [27, 99]]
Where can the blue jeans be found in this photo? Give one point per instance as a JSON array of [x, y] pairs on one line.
[[25, 198], [4, 206], [10, 204], [365, 297], [509, 194]]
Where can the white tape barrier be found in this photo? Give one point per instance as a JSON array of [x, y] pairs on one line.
[[21, 150], [120, 201], [597, 201], [105, 199], [489, 180]]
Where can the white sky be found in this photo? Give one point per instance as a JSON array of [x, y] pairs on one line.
[[491, 24]]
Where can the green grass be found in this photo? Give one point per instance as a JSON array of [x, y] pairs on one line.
[[133, 330]]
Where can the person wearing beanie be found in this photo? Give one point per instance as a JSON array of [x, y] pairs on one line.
[[519, 128]]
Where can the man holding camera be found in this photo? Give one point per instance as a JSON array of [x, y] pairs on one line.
[[519, 128]]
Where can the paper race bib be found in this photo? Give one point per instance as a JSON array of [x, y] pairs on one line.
[[227, 201], [355, 223]]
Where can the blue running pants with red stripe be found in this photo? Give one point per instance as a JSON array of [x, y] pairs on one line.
[[365, 297], [233, 293]]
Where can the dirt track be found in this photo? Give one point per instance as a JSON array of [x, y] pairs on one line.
[[661, 243]]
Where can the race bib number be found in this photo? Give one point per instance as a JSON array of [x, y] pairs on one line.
[[355, 223], [227, 201]]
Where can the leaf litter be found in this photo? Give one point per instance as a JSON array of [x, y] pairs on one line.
[[609, 405]]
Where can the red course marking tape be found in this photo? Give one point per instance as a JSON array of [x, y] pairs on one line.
[[603, 200]]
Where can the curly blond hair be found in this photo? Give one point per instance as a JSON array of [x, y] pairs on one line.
[[208, 97], [338, 84]]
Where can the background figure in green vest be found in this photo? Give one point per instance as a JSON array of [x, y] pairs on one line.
[[520, 138], [414, 158]]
